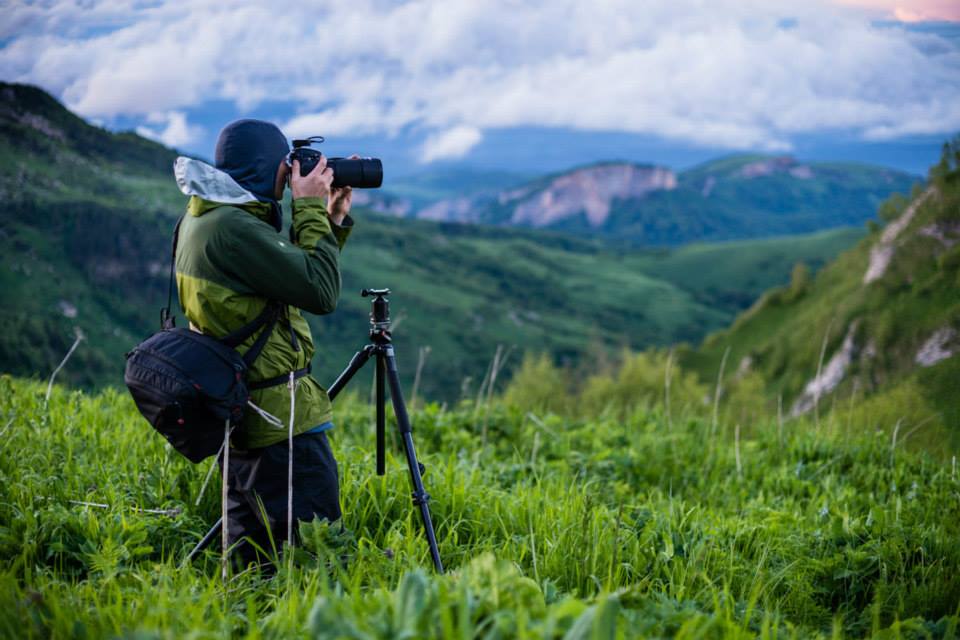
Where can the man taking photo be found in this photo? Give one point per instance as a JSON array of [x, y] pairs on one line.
[[231, 262]]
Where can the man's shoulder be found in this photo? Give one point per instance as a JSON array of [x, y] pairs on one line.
[[213, 231], [218, 211], [225, 220]]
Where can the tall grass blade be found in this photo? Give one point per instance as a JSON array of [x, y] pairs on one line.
[[717, 392], [53, 376]]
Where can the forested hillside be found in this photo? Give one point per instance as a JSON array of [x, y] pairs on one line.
[[85, 238]]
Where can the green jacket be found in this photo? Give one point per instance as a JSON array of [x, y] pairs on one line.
[[230, 262]]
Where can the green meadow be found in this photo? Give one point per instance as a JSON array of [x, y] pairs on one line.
[[664, 517]]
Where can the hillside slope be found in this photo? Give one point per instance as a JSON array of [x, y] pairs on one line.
[[885, 316], [84, 237]]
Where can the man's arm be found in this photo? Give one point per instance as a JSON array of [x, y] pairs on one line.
[[311, 222], [306, 274]]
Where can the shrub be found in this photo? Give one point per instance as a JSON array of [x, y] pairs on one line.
[[893, 207], [640, 382], [539, 386]]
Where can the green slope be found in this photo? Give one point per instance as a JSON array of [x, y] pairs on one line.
[[462, 291], [716, 201], [887, 321], [85, 237], [733, 274]]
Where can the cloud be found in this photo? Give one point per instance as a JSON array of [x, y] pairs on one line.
[[450, 144], [355, 119], [728, 73], [912, 10], [176, 132]]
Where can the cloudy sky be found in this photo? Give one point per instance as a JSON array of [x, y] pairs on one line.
[[507, 81]]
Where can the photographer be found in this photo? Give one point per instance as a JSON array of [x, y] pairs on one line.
[[231, 262]]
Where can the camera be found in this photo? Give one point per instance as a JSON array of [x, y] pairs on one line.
[[360, 173]]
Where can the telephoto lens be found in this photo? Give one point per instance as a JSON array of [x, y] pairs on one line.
[[360, 173]]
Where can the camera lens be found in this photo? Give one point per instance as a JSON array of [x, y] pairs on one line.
[[360, 173]]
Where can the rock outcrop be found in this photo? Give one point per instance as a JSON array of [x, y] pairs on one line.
[[830, 377], [937, 347], [780, 164], [882, 252], [590, 191]]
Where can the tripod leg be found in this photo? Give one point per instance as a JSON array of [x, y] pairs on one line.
[[205, 542], [381, 415], [421, 498], [356, 363]]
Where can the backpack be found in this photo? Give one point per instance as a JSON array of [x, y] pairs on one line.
[[189, 385]]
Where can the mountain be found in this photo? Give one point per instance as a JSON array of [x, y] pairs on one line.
[[84, 245], [589, 192], [877, 331], [747, 196]]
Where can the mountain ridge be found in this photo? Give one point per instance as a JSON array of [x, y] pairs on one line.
[[732, 197]]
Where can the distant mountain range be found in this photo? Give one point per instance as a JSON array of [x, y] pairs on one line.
[[85, 231], [746, 196]]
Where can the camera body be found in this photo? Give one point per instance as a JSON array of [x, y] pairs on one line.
[[360, 173]]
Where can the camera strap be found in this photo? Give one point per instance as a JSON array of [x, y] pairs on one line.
[[166, 320]]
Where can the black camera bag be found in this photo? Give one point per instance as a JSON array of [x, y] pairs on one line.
[[187, 385]]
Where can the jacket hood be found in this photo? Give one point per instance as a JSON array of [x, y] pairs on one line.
[[208, 187], [251, 152], [196, 178]]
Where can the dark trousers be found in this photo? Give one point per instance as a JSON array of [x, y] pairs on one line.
[[259, 477]]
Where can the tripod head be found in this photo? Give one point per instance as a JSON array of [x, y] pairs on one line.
[[379, 314]]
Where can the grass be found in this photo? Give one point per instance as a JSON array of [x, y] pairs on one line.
[[613, 526]]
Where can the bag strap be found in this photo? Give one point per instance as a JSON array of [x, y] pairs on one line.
[[266, 318], [166, 320], [278, 380], [270, 313]]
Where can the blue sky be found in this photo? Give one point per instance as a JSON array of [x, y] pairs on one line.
[[506, 84]]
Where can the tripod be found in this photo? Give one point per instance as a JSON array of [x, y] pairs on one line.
[[380, 347]]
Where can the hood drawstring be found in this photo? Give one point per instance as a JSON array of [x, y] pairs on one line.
[[225, 533], [292, 385]]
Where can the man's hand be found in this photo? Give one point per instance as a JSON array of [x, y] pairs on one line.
[[338, 204], [315, 184]]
